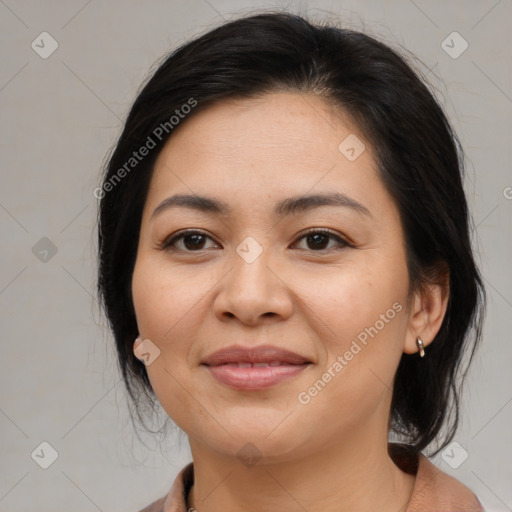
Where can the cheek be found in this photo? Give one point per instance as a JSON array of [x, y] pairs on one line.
[[358, 301], [167, 303], [164, 296], [360, 313]]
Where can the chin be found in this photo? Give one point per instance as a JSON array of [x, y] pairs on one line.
[[252, 441]]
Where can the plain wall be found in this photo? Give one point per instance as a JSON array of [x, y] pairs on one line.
[[60, 116]]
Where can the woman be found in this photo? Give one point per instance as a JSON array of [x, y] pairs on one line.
[[285, 262]]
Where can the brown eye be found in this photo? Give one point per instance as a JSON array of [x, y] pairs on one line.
[[191, 241], [318, 240]]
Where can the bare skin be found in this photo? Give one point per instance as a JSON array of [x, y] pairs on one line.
[[329, 454]]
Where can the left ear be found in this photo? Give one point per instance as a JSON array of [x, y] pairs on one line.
[[428, 308]]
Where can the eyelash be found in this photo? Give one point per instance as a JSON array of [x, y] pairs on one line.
[[168, 242]]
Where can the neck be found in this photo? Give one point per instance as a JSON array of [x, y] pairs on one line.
[[337, 478]]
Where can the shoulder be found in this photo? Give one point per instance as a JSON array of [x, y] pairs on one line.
[[175, 500], [436, 490], [156, 506]]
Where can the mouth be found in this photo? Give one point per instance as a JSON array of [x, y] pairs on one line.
[[256, 368]]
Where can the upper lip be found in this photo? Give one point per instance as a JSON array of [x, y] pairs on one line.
[[260, 354]]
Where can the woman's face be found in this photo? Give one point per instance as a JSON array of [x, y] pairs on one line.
[[251, 276]]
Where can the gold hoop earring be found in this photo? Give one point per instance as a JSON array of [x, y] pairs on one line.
[[421, 347]]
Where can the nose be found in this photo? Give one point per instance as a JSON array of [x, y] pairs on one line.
[[254, 291]]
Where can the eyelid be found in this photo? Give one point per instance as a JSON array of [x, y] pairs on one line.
[[168, 241], [334, 234]]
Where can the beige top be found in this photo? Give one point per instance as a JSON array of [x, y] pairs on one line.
[[434, 490]]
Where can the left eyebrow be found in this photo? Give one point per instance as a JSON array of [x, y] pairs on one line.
[[299, 204], [289, 206]]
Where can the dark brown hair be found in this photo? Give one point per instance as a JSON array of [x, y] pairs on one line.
[[419, 157]]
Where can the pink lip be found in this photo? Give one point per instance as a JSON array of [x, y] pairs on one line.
[[254, 378], [261, 354], [253, 375]]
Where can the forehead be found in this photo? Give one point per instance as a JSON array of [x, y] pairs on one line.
[[290, 123], [282, 133], [256, 151]]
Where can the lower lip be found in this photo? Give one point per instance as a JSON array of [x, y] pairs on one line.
[[255, 378]]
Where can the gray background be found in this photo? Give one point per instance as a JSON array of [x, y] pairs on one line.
[[60, 115]]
